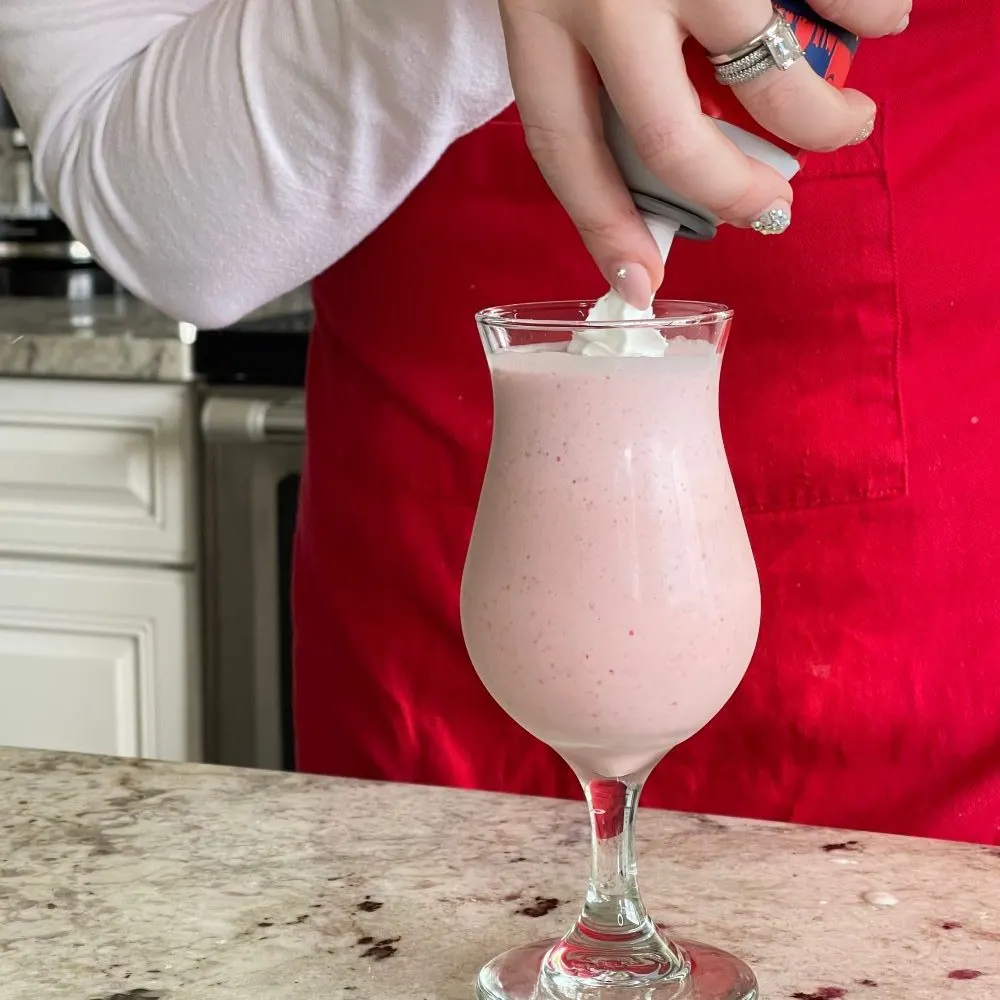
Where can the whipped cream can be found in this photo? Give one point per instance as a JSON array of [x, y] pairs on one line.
[[829, 50]]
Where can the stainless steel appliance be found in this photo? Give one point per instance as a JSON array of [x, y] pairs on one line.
[[253, 429], [38, 253]]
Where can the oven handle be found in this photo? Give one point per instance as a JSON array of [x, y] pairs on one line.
[[229, 419]]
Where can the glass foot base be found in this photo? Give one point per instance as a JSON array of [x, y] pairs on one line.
[[709, 974]]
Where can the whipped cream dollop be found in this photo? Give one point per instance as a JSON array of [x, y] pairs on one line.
[[617, 342], [625, 342]]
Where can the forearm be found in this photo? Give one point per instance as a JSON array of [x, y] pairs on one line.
[[214, 158]]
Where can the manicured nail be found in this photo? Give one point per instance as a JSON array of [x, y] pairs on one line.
[[633, 285], [902, 26], [774, 221], [865, 134]]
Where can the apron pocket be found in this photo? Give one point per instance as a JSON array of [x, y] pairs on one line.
[[811, 406]]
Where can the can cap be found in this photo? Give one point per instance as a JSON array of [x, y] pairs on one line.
[[651, 195]]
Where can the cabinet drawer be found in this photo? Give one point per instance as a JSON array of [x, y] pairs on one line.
[[97, 470], [99, 659]]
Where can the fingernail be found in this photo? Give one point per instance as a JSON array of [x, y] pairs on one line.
[[865, 134], [632, 283], [902, 26], [774, 221]]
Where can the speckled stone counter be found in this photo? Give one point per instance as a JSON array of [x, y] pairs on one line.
[[105, 337], [139, 881]]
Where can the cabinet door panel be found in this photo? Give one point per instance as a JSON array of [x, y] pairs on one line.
[[99, 659], [97, 470]]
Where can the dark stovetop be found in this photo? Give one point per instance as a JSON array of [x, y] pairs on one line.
[[263, 350]]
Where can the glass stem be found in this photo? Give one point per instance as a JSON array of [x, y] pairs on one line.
[[613, 910], [613, 942]]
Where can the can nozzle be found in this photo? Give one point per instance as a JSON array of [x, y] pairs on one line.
[[663, 230]]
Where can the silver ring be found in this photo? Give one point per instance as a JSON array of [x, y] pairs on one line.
[[775, 46]]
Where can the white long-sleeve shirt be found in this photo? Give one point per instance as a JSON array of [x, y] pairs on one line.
[[214, 154]]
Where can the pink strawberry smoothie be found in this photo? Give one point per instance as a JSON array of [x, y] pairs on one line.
[[610, 602]]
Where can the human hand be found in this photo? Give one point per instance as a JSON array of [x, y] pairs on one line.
[[560, 52]]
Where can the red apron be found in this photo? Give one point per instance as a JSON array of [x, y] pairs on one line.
[[859, 408]]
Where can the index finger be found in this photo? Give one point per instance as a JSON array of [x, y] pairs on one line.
[[557, 95]]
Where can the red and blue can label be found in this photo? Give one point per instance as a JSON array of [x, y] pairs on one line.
[[828, 48]]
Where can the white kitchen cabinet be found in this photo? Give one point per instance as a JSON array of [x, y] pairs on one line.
[[99, 659], [98, 470], [99, 638]]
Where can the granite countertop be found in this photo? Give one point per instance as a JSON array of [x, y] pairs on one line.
[[105, 337], [127, 880]]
